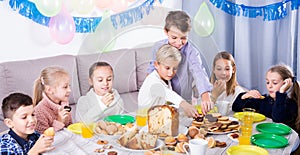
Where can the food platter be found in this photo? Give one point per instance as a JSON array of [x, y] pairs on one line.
[[257, 116], [122, 119], [269, 140], [273, 128], [217, 132], [159, 143], [246, 149]]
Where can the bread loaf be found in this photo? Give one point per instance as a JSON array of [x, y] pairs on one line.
[[163, 119], [124, 139], [138, 141]]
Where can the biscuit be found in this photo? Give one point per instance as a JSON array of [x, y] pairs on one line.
[[102, 142], [223, 118]]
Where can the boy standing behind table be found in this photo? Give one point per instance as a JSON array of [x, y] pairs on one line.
[[22, 139], [166, 63], [177, 27]]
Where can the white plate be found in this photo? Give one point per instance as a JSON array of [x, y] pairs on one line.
[[182, 129], [221, 133], [159, 143]]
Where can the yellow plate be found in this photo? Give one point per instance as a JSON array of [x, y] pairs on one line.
[[76, 127], [247, 150], [257, 116]]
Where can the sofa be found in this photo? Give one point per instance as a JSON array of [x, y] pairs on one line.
[[129, 70]]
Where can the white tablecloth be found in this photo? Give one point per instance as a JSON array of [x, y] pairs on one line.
[[68, 143]]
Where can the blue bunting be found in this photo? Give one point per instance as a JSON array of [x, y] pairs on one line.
[[84, 24], [132, 15], [270, 12]]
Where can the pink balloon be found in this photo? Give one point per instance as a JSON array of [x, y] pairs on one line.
[[62, 27]]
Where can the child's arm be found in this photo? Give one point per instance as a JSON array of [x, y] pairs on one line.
[[43, 144]]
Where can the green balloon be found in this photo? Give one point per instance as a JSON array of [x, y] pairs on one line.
[[48, 8], [204, 23]]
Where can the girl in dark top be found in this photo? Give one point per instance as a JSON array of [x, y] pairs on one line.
[[282, 101]]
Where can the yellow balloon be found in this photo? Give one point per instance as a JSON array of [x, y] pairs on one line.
[[203, 23]]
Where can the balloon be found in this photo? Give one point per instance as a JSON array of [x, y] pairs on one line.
[[62, 27], [84, 6], [101, 4], [48, 8], [203, 21], [119, 5]]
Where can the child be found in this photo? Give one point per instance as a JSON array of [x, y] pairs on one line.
[[225, 85], [102, 99], [177, 27], [51, 94], [282, 102], [167, 61], [21, 138]]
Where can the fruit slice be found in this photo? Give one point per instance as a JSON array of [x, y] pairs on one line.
[[50, 131], [211, 142]]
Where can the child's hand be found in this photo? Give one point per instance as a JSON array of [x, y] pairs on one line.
[[252, 94], [287, 83], [206, 106], [107, 98], [43, 144], [189, 109], [218, 88], [63, 114]]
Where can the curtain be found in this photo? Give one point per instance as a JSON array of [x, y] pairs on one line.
[[255, 42]]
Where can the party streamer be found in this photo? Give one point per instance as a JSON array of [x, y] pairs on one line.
[[84, 24], [269, 12]]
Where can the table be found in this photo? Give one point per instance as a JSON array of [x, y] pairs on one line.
[[67, 142]]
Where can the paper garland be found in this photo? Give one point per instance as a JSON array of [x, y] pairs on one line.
[[269, 12], [84, 24]]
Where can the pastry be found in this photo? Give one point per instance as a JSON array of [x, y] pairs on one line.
[[182, 138], [102, 142], [193, 131], [163, 119], [211, 142], [170, 140], [112, 153], [50, 131]]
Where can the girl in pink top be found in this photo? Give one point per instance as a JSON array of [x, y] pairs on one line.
[[50, 96]]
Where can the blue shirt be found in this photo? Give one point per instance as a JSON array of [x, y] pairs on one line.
[[11, 143], [190, 69]]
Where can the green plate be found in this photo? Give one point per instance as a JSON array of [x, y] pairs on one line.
[[246, 150], [257, 116], [273, 128], [122, 119], [269, 140]]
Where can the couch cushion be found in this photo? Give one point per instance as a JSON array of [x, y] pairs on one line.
[[143, 58], [130, 101], [123, 63], [19, 76]]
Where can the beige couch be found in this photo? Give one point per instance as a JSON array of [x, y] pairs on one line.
[[129, 69]]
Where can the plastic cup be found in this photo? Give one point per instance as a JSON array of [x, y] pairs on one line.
[[87, 130], [141, 117], [246, 126]]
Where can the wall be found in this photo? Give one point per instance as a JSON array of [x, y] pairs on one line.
[[21, 38]]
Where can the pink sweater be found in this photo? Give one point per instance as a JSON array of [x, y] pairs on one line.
[[46, 113]]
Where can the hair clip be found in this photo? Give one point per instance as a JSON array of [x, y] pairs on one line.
[[42, 81]]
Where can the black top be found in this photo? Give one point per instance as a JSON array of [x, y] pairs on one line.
[[281, 110]]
